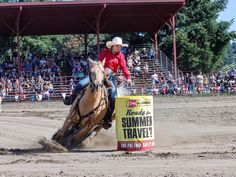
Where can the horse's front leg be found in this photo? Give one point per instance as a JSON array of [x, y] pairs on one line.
[[58, 136], [70, 120]]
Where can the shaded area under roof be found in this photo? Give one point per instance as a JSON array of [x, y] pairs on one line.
[[81, 17]]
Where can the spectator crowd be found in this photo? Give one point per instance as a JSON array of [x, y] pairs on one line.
[[39, 73]]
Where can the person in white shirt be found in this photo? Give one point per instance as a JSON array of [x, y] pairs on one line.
[[155, 78]]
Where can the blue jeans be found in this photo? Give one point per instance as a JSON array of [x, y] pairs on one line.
[[191, 88], [81, 84], [112, 92]]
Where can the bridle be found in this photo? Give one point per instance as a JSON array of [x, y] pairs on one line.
[[95, 86]]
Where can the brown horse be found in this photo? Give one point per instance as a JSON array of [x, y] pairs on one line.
[[87, 111]]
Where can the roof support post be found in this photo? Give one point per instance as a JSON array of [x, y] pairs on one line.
[[174, 46], [98, 23], [18, 40]]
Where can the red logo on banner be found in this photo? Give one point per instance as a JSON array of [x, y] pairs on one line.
[[132, 103]]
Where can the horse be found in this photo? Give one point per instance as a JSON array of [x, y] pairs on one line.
[[87, 112]]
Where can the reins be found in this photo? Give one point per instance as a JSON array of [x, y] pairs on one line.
[[100, 104]]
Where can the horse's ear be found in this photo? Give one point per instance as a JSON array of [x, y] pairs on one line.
[[91, 62]]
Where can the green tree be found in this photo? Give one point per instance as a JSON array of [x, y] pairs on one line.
[[42, 44], [5, 47], [201, 39]]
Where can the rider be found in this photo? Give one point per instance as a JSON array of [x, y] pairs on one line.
[[114, 59]]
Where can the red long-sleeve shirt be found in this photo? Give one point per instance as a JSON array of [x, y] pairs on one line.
[[115, 61]]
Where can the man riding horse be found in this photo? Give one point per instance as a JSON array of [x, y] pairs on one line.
[[114, 59]]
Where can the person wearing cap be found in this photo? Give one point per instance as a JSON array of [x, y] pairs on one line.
[[114, 60]]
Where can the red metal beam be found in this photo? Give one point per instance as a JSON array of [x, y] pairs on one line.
[[28, 24], [93, 2], [77, 16], [98, 23], [174, 46], [8, 26], [18, 40], [86, 21]]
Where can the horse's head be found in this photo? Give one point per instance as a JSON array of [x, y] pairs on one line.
[[97, 74]]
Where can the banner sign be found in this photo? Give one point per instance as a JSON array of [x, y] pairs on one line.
[[134, 123]]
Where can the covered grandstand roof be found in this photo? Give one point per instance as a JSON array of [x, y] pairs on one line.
[[80, 17]]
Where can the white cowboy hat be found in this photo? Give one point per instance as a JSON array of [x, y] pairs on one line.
[[115, 41]]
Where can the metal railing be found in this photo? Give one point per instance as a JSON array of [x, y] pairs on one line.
[[164, 63]]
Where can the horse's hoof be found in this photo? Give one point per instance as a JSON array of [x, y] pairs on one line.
[[51, 145]]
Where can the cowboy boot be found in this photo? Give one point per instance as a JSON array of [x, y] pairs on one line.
[[70, 99], [108, 117], [107, 121]]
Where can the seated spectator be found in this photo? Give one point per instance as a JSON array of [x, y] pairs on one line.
[[137, 71], [22, 93], [136, 64], [17, 98], [169, 77], [21, 78], [143, 53], [164, 86], [155, 79], [175, 89], [9, 86], [145, 68], [40, 82], [154, 90], [39, 96], [17, 86], [135, 57], [151, 54], [130, 63], [50, 88]]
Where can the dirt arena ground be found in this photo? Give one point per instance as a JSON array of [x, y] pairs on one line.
[[195, 136]]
